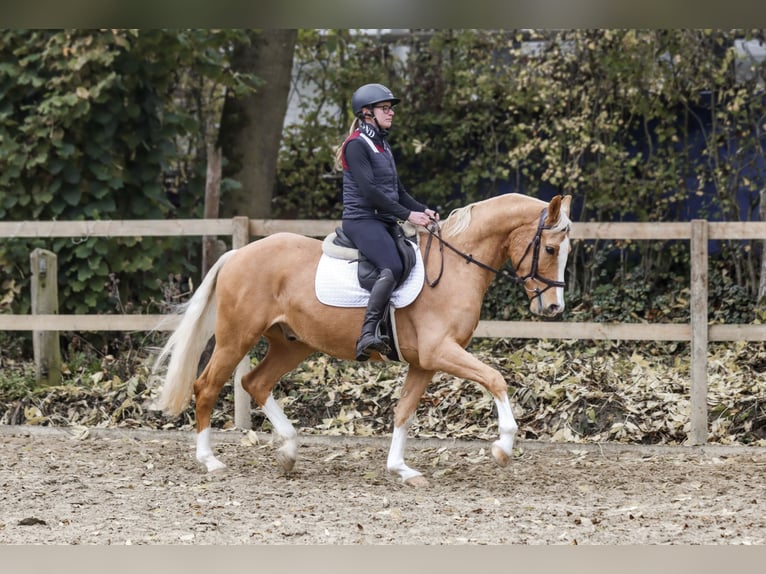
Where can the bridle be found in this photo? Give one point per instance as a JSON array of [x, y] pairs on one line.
[[533, 247]]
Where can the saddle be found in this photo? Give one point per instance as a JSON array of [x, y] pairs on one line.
[[337, 244]]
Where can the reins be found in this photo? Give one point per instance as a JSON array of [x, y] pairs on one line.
[[434, 230]]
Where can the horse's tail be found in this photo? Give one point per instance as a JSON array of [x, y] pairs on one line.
[[185, 345]]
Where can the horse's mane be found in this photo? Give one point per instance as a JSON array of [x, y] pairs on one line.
[[562, 224], [460, 219]]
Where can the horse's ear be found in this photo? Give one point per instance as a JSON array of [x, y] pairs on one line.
[[566, 202], [553, 211], [558, 205]]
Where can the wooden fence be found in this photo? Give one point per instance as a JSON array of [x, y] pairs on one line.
[[241, 229]]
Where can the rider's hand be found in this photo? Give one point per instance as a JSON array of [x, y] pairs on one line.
[[418, 218], [432, 214]]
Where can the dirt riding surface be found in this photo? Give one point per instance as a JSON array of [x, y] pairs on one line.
[[144, 487]]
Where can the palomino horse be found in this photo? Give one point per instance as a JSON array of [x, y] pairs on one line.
[[266, 289]]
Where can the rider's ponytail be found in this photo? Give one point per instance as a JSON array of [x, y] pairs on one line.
[[339, 149]]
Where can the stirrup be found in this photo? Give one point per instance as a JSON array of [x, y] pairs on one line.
[[380, 344]]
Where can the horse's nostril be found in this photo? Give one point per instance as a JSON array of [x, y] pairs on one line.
[[553, 309]]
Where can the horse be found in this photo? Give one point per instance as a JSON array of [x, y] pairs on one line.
[[265, 289]]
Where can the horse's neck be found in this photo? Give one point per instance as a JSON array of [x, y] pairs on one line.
[[493, 222]]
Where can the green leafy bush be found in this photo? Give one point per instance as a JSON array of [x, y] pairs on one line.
[[105, 124]]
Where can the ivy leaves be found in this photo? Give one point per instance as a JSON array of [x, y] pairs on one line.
[[93, 125]]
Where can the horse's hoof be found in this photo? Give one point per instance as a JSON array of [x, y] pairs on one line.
[[418, 481], [214, 465], [285, 460], [501, 457]]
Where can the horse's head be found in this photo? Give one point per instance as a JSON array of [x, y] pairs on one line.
[[541, 257]]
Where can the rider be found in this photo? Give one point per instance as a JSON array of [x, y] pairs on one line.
[[374, 200]]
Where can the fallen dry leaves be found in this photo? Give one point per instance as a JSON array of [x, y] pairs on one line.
[[567, 391]]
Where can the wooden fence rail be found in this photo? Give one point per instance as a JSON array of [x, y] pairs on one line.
[[698, 331]]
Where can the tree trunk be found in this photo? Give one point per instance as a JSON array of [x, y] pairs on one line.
[[251, 127], [212, 247]]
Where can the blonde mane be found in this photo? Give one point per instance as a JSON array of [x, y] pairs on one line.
[[563, 224], [457, 221], [460, 219]]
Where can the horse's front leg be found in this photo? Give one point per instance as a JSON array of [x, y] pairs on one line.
[[502, 448], [455, 360], [414, 386]]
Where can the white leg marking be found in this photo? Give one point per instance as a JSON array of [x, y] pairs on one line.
[[282, 425], [507, 427], [563, 255], [284, 430], [395, 463], [205, 453]]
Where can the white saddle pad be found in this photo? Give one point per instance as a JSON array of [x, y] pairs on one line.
[[337, 283]]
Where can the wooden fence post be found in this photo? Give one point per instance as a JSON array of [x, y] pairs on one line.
[[45, 301], [698, 433], [242, 404]]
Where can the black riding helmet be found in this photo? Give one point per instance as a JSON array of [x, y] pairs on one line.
[[369, 95]]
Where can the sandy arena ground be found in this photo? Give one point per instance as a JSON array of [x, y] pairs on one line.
[[122, 487]]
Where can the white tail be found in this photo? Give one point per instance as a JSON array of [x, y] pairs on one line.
[[185, 345]]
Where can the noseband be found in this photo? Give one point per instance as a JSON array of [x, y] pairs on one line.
[[532, 247]]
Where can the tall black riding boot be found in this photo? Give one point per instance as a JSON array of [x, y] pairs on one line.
[[370, 339]]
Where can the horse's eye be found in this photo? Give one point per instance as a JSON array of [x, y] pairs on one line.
[[550, 250]]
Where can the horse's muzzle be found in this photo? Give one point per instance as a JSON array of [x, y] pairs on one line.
[[539, 307]]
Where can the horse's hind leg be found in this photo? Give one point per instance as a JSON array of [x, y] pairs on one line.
[[282, 356], [207, 387], [414, 386]]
